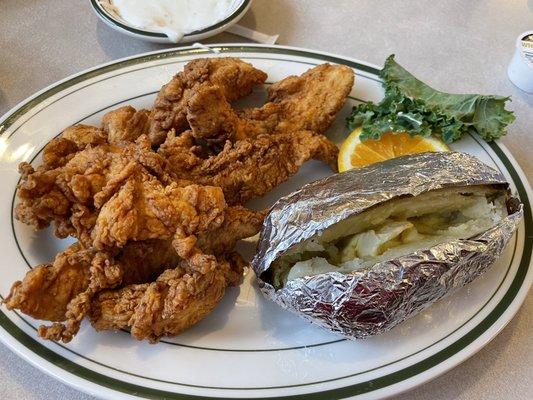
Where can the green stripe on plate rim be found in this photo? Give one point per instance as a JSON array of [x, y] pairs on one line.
[[352, 390], [103, 13]]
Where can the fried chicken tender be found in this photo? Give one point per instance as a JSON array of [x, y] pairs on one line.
[[72, 184], [178, 299], [138, 262], [144, 209], [46, 291], [248, 168], [239, 223], [234, 77], [119, 127], [62, 290], [124, 125], [307, 102], [81, 135]]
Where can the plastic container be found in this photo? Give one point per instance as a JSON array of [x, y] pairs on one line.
[[520, 70]]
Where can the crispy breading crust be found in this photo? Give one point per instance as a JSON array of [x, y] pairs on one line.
[[248, 168], [307, 102], [155, 232], [178, 299], [234, 77]]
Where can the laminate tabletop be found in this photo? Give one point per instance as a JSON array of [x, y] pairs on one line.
[[458, 46]]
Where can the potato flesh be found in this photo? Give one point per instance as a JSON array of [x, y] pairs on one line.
[[393, 229]]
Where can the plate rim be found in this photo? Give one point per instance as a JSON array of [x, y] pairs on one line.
[[208, 31], [63, 371]]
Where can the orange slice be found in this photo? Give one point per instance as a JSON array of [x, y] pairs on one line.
[[354, 153]]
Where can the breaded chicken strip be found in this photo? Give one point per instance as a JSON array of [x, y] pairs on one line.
[[142, 208], [124, 125], [46, 290], [178, 299], [235, 79], [75, 180], [239, 223], [62, 290], [119, 127], [137, 263], [307, 102], [248, 168]]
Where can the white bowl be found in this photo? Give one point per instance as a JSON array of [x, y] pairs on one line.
[[238, 9]]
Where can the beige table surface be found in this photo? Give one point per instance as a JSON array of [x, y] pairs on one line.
[[455, 45]]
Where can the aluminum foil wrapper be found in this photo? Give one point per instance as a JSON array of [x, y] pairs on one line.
[[373, 300]]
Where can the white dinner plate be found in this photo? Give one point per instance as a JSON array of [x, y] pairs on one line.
[[236, 12], [248, 347]]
